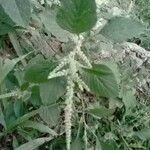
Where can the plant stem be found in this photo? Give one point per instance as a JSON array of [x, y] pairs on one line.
[[7, 95], [72, 77], [84, 120], [68, 111], [72, 71]]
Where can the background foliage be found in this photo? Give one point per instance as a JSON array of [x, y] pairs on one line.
[[115, 113]]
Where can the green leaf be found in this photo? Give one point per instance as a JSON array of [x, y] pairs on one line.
[[33, 144], [37, 59], [6, 24], [24, 134], [120, 29], [38, 73], [19, 74], [18, 10], [58, 144], [77, 144], [7, 65], [52, 90], [114, 68], [10, 117], [50, 114], [143, 134], [109, 145], [77, 16], [19, 108], [23, 119], [101, 80], [35, 98], [40, 127], [52, 26], [101, 112], [129, 101]]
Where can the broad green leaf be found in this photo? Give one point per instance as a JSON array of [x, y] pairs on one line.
[[10, 114], [38, 73], [7, 65], [143, 134], [77, 16], [101, 80], [52, 90], [10, 81], [109, 145], [19, 108], [129, 100], [52, 26], [5, 28], [33, 144], [120, 29], [40, 127], [18, 10], [77, 144], [115, 70], [6, 24], [101, 111], [50, 114], [58, 144], [35, 98], [19, 74], [24, 134], [22, 119], [38, 58]]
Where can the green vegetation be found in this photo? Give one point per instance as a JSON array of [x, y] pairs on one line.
[[74, 75]]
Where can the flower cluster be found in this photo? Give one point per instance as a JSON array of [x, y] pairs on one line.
[[72, 77]]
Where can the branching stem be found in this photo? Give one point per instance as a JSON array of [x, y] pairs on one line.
[[72, 77]]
